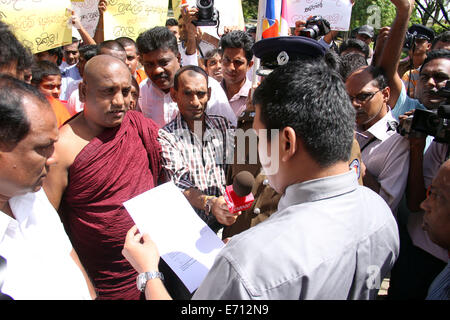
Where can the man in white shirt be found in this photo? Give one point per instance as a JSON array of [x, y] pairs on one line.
[[158, 53], [384, 152], [237, 58], [41, 263], [69, 69]]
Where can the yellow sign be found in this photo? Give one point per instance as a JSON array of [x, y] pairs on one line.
[[39, 24], [129, 18]]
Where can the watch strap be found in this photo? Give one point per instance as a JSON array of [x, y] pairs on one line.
[[143, 277]]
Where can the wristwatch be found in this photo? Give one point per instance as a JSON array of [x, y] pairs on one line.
[[142, 278]]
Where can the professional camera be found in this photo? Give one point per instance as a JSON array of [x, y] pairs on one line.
[[417, 31], [430, 122], [315, 27], [410, 39], [207, 14]]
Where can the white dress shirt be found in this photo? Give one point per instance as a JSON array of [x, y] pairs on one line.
[[37, 250], [385, 154], [68, 75], [330, 239], [160, 107]]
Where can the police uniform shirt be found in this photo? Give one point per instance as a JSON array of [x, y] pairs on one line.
[[327, 239], [385, 154]]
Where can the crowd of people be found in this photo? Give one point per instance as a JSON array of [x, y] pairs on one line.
[[342, 199]]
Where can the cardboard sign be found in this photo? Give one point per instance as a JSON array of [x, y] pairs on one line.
[[129, 18], [39, 24], [87, 11], [336, 12]]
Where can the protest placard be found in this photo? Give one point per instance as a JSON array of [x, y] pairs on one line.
[[87, 11], [336, 12], [128, 18], [39, 24]]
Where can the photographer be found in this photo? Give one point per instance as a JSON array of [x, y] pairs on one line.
[[419, 43]]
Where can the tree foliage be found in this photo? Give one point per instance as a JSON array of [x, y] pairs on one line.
[[379, 13]]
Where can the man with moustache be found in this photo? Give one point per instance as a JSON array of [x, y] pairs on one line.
[[384, 152], [194, 148], [106, 156], [159, 55], [41, 262]]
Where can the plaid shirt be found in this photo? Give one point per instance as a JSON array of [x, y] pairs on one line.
[[198, 163]]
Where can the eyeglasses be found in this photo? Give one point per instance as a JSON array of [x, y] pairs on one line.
[[363, 97]]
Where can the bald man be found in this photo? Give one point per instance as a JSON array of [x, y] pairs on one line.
[[106, 155]]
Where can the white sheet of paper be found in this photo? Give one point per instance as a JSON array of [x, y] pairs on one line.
[[184, 241], [337, 12]]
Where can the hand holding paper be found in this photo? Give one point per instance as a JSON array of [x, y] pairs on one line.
[[184, 241], [140, 251]]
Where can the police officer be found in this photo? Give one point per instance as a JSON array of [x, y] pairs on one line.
[[273, 52]]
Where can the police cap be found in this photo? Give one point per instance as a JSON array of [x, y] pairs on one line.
[[422, 32], [277, 51]]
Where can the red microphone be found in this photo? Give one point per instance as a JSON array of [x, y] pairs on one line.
[[238, 196]]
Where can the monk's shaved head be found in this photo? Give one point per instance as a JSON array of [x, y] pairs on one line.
[[105, 91], [101, 65]]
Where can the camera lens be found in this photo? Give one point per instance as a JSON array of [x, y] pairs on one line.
[[205, 3]]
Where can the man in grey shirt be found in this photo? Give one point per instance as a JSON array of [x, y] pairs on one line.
[[330, 238]]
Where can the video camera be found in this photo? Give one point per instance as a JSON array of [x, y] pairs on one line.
[[207, 14], [315, 27], [428, 122]]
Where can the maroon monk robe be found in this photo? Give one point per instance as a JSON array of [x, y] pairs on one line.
[[114, 167]]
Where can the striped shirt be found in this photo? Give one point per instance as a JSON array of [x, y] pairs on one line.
[[440, 288], [200, 163]]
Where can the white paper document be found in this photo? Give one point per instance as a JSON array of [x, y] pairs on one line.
[[184, 241]]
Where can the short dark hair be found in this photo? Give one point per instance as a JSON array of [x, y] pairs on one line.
[[238, 39], [171, 22], [14, 123], [12, 50], [310, 98], [355, 44], [436, 54], [111, 45], [42, 69], [127, 42], [55, 52], [210, 54], [443, 37], [350, 63], [157, 38], [189, 68], [378, 75], [88, 51]]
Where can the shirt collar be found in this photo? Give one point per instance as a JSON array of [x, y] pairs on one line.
[[5, 220], [318, 189], [243, 92], [384, 127], [181, 123], [154, 88]]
